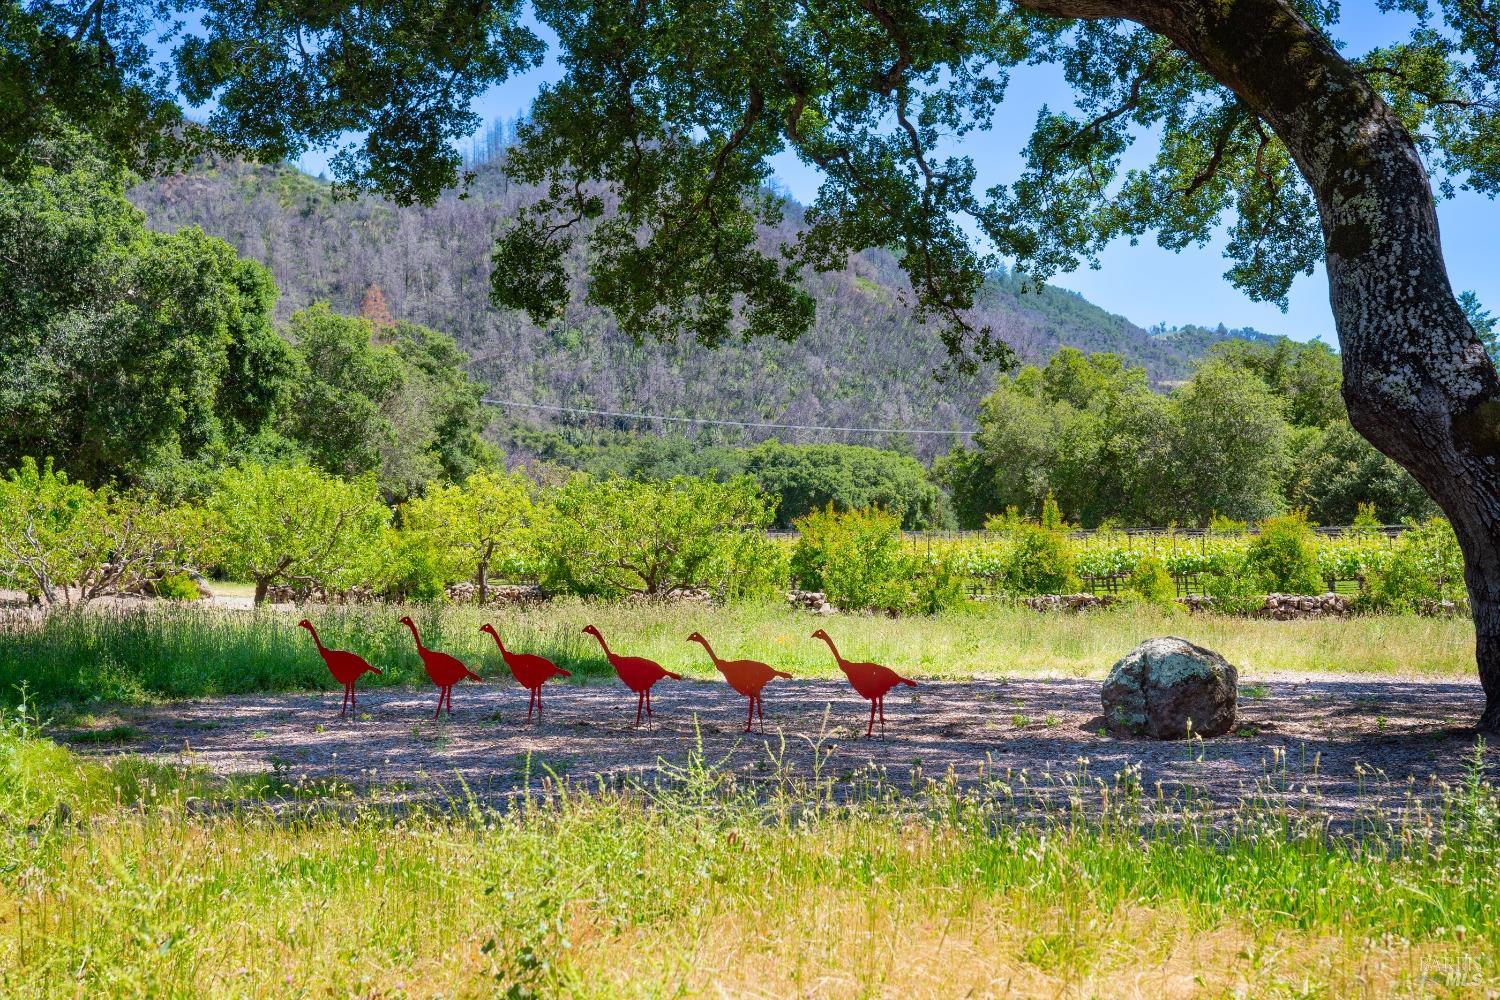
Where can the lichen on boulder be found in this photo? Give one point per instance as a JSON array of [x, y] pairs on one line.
[[1167, 688]]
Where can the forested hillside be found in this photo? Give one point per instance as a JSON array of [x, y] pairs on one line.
[[866, 362]]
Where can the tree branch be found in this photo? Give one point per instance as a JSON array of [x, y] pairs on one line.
[[1221, 145]]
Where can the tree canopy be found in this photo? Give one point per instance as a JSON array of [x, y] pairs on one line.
[[674, 111], [126, 350], [1259, 429], [149, 359]]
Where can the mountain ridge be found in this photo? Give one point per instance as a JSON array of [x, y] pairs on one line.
[[866, 362]]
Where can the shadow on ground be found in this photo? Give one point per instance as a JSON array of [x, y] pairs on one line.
[[1338, 746]]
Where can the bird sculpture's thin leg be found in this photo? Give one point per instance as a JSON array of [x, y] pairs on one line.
[[760, 707], [881, 703], [539, 706], [353, 701], [871, 727], [344, 704], [450, 699], [640, 703], [648, 703], [749, 713]]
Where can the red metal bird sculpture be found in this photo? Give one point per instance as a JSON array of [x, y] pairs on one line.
[[444, 670], [345, 667], [529, 670], [637, 672], [871, 680], [747, 677]]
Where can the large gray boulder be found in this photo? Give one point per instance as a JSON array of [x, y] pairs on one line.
[[1162, 684]]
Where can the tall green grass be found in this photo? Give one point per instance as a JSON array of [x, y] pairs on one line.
[[700, 884], [173, 651]]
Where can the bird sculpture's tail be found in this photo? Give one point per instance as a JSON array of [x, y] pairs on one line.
[[908, 683], [675, 677], [472, 675], [563, 673], [782, 674], [376, 670]]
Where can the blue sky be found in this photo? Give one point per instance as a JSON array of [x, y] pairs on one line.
[[1144, 283]]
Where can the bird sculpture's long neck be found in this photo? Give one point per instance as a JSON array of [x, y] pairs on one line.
[[835, 651], [316, 641], [709, 650], [414, 635], [603, 645]]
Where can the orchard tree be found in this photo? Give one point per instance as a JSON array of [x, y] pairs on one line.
[[43, 515], [63, 542], [461, 528], [669, 113], [294, 522], [608, 536]]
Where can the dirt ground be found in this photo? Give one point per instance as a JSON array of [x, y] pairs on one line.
[[1339, 746]]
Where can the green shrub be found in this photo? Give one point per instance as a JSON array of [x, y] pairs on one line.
[[1366, 521], [1234, 588], [1042, 561], [1426, 566], [752, 565], [1227, 527], [926, 584], [177, 587], [1283, 558], [1151, 582], [1400, 585], [1052, 518], [853, 556], [1434, 547]]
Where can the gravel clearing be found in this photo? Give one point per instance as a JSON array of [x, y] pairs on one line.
[[1337, 746]]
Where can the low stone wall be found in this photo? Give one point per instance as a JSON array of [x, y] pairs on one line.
[[1285, 607], [502, 595], [1281, 607], [1069, 602], [301, 594], [689, 595], [1278, 607], [810, 600]]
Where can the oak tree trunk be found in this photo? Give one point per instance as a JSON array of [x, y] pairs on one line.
[[1417, 381]]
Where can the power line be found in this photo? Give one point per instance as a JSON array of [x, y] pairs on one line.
[[724, 423]]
